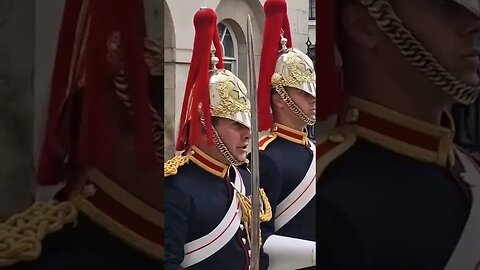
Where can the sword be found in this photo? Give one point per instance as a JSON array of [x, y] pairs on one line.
[[255, 219]]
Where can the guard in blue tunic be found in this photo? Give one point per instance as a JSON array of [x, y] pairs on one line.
[[207, 208], [287, 105]]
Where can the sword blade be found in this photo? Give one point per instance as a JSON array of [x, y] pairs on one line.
[[255, 226]]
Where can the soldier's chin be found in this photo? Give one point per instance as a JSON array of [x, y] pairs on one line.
[[241, 156], [470, 76], [311, 114]]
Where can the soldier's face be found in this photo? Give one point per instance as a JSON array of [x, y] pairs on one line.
[[448, 30], [304, 101], [235, 136]]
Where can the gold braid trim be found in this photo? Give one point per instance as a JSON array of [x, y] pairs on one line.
[[291, 104], [170, 167], [246, 205], [221, 146], [22, 234]]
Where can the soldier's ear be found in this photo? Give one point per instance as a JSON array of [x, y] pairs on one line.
[[358, 26]]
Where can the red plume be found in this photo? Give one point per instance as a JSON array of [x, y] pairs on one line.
[[82, 109], [197, 87], [276, 20], [329, 76]]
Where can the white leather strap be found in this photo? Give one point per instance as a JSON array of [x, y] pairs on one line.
[[467, 252], [204, 247], [299, 197]]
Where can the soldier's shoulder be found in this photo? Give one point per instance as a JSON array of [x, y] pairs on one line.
[[266, 140], [331, 148], [469, 160], [172, 166], [474, 156], [23, 233]]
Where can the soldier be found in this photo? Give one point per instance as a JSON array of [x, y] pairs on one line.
[[101, 122], [287, 105], [207, 210], [394, 192]]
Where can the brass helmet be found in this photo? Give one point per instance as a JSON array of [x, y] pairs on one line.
[[228, 95], [294, 69]]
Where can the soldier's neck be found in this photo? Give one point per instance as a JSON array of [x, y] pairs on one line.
[[297, 125], [417, 99], [213, 152]]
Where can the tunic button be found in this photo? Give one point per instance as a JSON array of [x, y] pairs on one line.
[[352, 115], [244, 241], [89, 190], [249, 253], [241, 227]]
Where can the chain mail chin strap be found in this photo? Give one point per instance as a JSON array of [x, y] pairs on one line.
[[295, 109], [416, 53], [222, 147]]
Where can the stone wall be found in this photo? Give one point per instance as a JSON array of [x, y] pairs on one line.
[[16, 96]]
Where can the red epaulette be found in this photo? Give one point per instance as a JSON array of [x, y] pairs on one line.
[[331, 149], [266, 140]]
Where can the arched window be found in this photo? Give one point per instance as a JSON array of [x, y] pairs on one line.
[[229, 46], [311, 10]]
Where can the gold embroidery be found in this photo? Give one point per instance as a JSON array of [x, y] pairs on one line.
[[246, 205], [22, 234], [171, 166], [229, 95], [292, 70]]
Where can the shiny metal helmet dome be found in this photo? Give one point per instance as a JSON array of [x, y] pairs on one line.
[[295, 69], [229, 97]]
